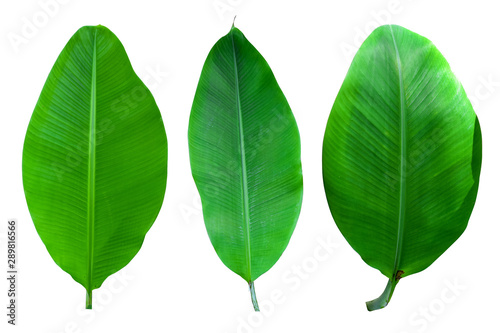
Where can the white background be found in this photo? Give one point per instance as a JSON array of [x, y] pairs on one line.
[[176, 282]]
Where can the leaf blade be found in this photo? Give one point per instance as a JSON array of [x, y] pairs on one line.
[[94, 135], [237, 170], [401, 180]]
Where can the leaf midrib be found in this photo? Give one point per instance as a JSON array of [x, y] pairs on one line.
[[403, 171], [91, 172], [244, 183]]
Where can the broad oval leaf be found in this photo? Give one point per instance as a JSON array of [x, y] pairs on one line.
[[401, 155], [244, 150], [94, 159]]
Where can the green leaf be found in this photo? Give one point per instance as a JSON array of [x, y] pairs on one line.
[[401, 155], [94, 159], [244, 149]]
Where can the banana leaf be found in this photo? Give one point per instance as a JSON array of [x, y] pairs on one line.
[[244, 150], [94, 159], [401, 155]]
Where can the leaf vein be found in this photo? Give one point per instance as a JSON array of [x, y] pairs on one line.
[[91, 172], [403, 171], [244, 180]]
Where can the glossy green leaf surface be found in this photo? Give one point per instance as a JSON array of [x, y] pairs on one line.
[[244, 150], [401, 155], [94, 159]]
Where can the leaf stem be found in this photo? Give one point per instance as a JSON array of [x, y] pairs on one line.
[[254, 297], [382, 301], [89, 300]]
